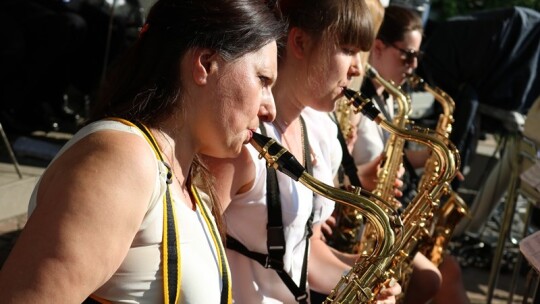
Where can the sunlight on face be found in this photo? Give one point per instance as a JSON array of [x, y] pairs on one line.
[[243, 86]]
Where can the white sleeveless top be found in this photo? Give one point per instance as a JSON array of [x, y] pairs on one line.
[[246, 218], [370, 140], [139, 277]]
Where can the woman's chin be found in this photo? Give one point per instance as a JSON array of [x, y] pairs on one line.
[[233, 151], [325, 107]]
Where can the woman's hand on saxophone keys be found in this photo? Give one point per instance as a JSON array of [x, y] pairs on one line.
[[459, 176], [327, 227], [368, 174], [388, 294], [398, 183]]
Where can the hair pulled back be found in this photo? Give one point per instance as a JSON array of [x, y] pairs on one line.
[[397, 22], [146, 84]]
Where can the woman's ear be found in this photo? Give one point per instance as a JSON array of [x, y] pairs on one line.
[[204, 63], [378, 47], [298, 42]]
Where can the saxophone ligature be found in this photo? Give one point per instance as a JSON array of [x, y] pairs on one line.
[[281, 159]]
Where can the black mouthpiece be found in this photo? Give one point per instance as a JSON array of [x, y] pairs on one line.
[[364, 105], [277, 156], [371, 72]]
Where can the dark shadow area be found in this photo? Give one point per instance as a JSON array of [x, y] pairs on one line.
[[53, 57], [7, 240], [32, 150]]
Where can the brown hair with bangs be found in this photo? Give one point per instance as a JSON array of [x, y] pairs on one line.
[[347, 22]]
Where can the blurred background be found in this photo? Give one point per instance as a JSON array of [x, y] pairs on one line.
[[56, 53]]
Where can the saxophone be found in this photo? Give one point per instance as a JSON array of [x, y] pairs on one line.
[[454, 207], [369, 275], [278, 157], [347, 231], [392, 153], [444, 124], [393, 149], [350, 235]]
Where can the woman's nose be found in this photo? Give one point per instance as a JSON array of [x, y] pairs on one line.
[[356, 68], [267, 110]]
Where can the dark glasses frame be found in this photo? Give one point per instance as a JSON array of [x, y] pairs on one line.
[[410, 55]]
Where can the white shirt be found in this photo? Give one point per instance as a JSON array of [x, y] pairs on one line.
[[139, 278], [246, 219], [370, 137]]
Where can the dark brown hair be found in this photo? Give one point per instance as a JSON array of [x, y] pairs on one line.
[[397, 22], [145, 86]]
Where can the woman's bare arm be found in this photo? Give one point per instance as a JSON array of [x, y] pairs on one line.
[[90, 204]]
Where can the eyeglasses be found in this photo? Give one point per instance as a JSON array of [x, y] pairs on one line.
[[409, 55]]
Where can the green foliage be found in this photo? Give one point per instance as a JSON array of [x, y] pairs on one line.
[[443, 9]]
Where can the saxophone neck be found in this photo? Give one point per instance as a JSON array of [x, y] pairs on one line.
[[447, 103], [446, 153], [281, 159], [443, 99], [403, 100]]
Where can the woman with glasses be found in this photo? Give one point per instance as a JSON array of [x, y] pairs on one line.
[[395, 54]]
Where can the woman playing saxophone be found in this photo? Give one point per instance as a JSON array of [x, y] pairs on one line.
[[394, 55], [320, 56]]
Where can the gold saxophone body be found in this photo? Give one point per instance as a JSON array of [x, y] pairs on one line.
[[278, 157], [454, 208], [343, 115], [349, 233], [347, 230], [393, 149], [370, 275], [392, 153]]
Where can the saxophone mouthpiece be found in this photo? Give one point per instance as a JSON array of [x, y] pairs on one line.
[[277, 156], [371, 72], [361, 104], [415, 81]]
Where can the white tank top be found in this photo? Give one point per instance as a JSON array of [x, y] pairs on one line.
[[246, 218], [139, 277]]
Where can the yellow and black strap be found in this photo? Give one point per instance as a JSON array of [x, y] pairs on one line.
[[171, 241], [226, 291]]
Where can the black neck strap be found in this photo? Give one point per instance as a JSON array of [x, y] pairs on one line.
[[275, 241], [172, 271], [347, 161]]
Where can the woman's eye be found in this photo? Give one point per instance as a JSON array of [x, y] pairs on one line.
[[265, 81], [350, 51]]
